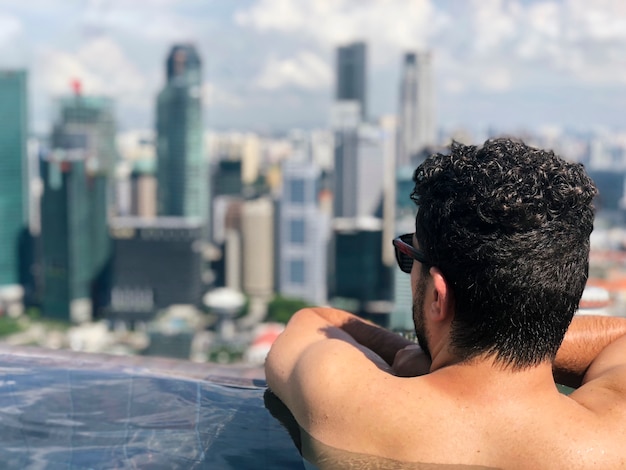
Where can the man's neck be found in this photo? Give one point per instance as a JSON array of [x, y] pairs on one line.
[[486, 372]]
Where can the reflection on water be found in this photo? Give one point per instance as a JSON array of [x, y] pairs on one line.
[[324, 457], [74, 416]]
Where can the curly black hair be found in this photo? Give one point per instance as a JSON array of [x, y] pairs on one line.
[[508, 225]]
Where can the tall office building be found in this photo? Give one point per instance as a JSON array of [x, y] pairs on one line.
[[86, 127], [156, 265], [388, 126], [181, 169], [257, 236], [359, 278], [75, 242], [227, 180], [13, 159], [76, 174], [417, 128], [304, 233], [359, 169], [351, 75], [144, 189]]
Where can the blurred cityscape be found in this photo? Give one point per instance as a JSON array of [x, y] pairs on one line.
[[182, 242]]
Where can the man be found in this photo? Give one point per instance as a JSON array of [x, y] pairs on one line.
[[498, 263]]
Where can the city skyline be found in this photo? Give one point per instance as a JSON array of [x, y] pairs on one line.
[[269, 63]]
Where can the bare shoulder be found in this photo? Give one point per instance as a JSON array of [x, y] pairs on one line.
[[599, 416], [605, 396], [334, 380], [604, 386]]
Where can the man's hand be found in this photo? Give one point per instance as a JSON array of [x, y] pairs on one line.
[[411, 361]]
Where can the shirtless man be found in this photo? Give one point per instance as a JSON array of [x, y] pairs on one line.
[[498, 263]]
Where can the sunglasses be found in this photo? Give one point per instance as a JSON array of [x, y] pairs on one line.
[[406, 254]]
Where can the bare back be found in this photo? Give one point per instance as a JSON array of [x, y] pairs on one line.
[[462, 413], [446, 418]]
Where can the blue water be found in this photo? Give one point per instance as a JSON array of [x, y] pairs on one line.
[[54, 415]]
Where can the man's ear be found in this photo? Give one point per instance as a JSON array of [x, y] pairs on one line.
[[442, 306]]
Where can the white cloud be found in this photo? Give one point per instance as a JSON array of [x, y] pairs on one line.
[[214, 95], [397, 23], [544, 19], [154, 20], [497, 79], [503, 45], [306, 70], [494, 24], [10, 27], [254, 50], [453, 85], [600, 20], [100, 65]]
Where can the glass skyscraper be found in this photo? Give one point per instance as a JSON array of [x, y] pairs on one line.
[[359, 170], [351, 75], [76, 247], [417, 129], [182, 169], [13, 136]]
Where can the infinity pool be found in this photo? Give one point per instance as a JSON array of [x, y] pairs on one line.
[[61, 410]]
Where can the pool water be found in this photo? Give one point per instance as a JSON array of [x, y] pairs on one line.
[[63, 410], [73, 412]]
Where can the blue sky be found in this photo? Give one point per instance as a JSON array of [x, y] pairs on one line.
[[268, 64]]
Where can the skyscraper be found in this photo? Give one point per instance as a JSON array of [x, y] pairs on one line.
[[76, 247], [359, 275], [257, 236], [417, 128], [304, 233], [359, 170], [351, 75], [13, 136], [181, 168]]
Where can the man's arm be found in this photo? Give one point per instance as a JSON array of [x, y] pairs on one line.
[[314, 365], [405, 357], [321, 351], [383, 342], [587, 337]]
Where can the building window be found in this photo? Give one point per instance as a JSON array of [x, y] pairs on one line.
[[296, 231], [296, 191], [296, 271]]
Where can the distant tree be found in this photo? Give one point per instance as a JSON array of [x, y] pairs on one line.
[[9, 326], [280, 309]]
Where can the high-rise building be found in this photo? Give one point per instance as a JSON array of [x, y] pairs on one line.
[[388, 125], [257, 236], [181, 169], [359, 275], [13, 159], [76, 174], [156, 264], [351, 75], [359, 170], [144, 188], [227, 179], [417, 127], [85, 129], [304, 233], [74, 236]]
